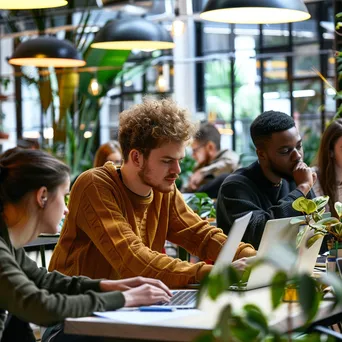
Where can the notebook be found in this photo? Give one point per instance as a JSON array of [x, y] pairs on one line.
[[278, 234], [186, 299]]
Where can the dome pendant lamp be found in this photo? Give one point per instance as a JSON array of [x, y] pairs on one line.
[[30, 4], [46, 52], [132, 33], [255, 11]]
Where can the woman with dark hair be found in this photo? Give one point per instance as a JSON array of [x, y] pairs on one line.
[[111, 151], [329, 168], [33, 186]]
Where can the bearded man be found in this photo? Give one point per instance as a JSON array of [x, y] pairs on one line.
[[270, 185], [120, 216]]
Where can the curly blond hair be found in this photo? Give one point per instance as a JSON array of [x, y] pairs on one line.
[[149, 125]]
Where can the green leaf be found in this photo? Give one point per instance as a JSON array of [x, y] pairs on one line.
[[300, 236], [309, 297], [297, 204], [278, 288], [216, 285], [297, 220], [206, 337], [255, 318], [311, 207], [304, 205], [328, 221], [338, 208], [313, 239], [321, 201]]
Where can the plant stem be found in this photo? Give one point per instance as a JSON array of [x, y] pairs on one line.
[[289, 321]]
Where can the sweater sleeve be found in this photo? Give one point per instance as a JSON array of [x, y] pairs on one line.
[[237, 198], [101, 218], [54, 282], [32, 302], [197, 236]]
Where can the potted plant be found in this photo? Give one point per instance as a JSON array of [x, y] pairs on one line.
[[315, 218], [203, 205]]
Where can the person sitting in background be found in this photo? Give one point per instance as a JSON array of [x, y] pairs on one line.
[[269, 186], [329, 166], [212, 162], [110, 151], [120, 217], [33, 186]]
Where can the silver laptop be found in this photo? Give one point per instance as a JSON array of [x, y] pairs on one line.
[[186, 299], [278, 233]]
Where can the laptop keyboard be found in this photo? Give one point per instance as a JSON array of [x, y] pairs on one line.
[[182, 298]]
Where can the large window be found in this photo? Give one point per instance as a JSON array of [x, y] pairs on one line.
[[268, 67]]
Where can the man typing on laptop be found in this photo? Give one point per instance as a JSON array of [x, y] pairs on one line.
[[120, 217]]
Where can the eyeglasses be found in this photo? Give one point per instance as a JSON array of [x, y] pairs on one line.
[[195, 150]]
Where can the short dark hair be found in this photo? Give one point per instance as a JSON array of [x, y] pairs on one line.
[[208, 132], [23, 171], [268, 123]]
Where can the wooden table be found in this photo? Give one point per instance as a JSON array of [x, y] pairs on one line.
[[42, 243], [189, 327]]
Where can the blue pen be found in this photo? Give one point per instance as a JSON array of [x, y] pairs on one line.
[[156, 308]]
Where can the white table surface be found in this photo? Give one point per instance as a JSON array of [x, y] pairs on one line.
[[196, 322]]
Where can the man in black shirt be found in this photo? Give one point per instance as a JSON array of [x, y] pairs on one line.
[[269, 186]]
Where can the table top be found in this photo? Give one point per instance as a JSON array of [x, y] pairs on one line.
[[197, 322]]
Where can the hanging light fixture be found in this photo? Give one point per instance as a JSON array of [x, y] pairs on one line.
[[132, 33], [46, 52], [30, 4], [255, 11]]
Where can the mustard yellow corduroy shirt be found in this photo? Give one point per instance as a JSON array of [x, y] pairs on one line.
[[112, 233]]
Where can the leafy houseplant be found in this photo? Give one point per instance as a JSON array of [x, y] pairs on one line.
[[202, 204], [313, 211], [249, 322], [187, 166]]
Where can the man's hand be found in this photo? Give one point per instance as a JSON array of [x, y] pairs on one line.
[[304, 177], [241, 264], [130, 283]]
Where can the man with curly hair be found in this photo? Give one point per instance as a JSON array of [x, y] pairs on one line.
[[120, 217]]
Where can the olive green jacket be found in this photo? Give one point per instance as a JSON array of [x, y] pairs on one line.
[[34, 295]]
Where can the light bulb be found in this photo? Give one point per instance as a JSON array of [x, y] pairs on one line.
[[178, 28], [161, 83], [94, 88]]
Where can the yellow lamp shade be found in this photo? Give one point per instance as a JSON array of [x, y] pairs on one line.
[[31, 4], [255, 11], [47, 52]]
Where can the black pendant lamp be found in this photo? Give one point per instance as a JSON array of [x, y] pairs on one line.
[[31, 4], [133, 33], [255, 11], [46, 52]]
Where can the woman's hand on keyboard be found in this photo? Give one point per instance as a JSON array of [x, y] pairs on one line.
[[130, 283], [146, 294]]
